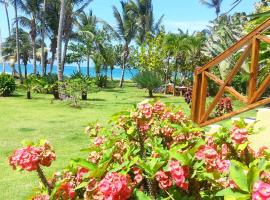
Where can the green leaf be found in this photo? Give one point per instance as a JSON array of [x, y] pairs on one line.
[[82, 185], [253, 176], [84, 163], [183, 158], [238, 175], [139, 195], [229, 194]]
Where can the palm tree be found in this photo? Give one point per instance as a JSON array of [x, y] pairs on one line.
[[59, 40], [43, 17], [126, 28], [7, 15], [15, 3], [216, 4], [32, 9], [143, 12]]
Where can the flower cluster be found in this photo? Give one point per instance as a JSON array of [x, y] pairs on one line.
[[177, 174], [224, 106], [261, 191], [114, 186], [41, 197], [239, 136], [30, 158], [212, 158], [66, 191]]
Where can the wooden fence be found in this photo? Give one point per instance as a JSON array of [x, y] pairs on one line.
[[250, 46]]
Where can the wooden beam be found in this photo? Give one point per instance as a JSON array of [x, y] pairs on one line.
[[229, 89], [253, 69], [263, 38], [229, 78], [229, 115], [238, 45], [203, 94], [265, 84], [195, 97]]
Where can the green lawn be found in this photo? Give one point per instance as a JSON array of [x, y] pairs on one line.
[[62, 125]]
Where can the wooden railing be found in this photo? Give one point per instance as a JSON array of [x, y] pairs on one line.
[[250, 45]]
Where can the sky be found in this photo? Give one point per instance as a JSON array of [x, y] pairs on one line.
[[185, 14]]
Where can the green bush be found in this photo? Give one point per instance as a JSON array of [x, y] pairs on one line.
[[7, 85], [240, 82], [148, 80]]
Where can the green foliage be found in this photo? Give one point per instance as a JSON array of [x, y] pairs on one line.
[[148, 80], [7, 84]]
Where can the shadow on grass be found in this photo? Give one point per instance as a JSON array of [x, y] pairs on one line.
[[26, 129], [96, 99]]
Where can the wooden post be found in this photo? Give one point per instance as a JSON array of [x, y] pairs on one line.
[[253, 69], [196, 96], [203, 95]]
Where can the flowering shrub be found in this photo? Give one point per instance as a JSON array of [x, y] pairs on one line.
[[155, 152], [224, 106]]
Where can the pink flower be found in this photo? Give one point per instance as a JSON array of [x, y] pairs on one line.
[[28, 158], [47, 155], [138, 174], [179, 174], [99, 141], [261, 191], [166, 115], [224, 150], [164, 180], [158, 108], [239, 136], [167, 131], [81, 172], [146, 110], [114, 187], [206, 152], [143, 127], [178, 117], [223, 165], [41, 197]]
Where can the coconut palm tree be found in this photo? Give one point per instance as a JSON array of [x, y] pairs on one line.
[[216, 4], [43, 17], [60, 38], [143, 12], [7, 14], [126, 28], [32, 9]]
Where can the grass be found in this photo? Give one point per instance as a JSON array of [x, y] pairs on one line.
[[63, 126]]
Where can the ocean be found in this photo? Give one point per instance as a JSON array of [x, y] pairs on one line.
[[129, 73]]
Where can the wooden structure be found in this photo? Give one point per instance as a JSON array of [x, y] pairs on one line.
[[250, 46]]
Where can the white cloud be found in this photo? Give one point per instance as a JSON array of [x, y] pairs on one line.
[[191, 26]]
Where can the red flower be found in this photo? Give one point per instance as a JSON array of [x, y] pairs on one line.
[[66, 191], [223, 165], [261, 191], [28, 158], [164, 180], [47, 155], [239, 136], [167, 131], [81, 172], [179, 174], [41, 197], [114, 187], [158, 108]]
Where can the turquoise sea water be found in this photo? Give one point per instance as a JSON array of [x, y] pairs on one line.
[[70, 69]]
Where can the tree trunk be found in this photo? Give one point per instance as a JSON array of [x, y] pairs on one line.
[[17, 43], [43, 38], [150, 91], [34, 56], [64, 54], [25, 70], [53, 50], [88, 65], [8, 23], [84, 96], [111, 73], [59, 40], [166, 76], [28, 94], [122, 76]]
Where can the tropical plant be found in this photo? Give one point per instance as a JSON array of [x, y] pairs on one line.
[[7, 85], [155, 152], [76, 55], [31, 84], [126, 28], [148, 80], [216, 4]]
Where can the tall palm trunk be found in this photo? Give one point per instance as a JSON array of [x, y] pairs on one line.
[[88, 65], [17, 42], [6, 9], [43, 38], [125, 56], [33, 38], [59, 41], [112, 73], [53, 50], [64, 54]]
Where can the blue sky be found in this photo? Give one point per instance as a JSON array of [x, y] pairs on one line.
[[185, 14]]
